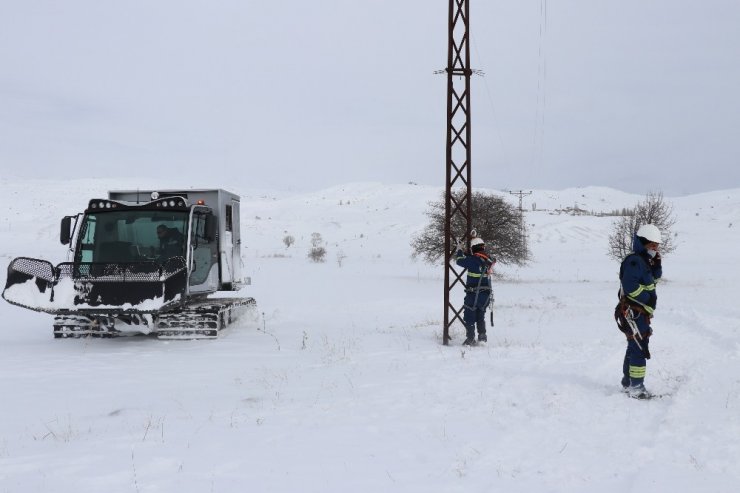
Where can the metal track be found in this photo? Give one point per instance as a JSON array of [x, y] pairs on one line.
[[76, 326], [201, 320]]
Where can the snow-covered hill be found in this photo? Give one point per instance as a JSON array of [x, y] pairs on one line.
[[339, 381]]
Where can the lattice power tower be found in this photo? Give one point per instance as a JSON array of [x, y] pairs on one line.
[[458, 206]]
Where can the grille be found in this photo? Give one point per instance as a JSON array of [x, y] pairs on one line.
[[121, 272], [40, 269]]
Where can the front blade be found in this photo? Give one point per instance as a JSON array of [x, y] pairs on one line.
[[95, 287], [30, 283]]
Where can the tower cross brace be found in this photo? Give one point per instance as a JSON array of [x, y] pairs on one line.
[[458, 175]]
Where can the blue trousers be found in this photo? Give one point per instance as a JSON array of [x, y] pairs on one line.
[[474, 314], [635, 361]]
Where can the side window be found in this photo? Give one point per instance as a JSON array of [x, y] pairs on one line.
[[199, 229], [229, 218], [87, 240], [204, 251]]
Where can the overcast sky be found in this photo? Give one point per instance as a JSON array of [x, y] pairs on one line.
[[298, 95]]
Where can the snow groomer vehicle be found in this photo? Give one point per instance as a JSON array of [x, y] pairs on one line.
[[166, 263]]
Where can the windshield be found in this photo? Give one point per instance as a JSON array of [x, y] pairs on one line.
[[132, 236]]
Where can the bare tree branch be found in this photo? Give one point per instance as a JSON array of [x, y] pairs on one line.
[[496, 221], [653, 209]]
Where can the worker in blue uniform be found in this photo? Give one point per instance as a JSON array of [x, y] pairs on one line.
[[477, 289], [638, 274]]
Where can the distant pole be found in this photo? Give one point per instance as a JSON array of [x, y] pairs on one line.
[[457, 208], [521, 195]]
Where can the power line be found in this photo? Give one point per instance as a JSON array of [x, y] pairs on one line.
[[538, 133], [494, 113]]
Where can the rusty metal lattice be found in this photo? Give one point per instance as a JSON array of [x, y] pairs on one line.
[[457, 207]]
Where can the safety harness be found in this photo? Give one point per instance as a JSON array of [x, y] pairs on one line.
[[478, 288], [631, 297], [629, 309]]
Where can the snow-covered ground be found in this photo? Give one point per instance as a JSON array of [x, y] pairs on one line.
[[339, 381]]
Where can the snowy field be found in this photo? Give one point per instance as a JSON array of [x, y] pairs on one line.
[[339, 382]]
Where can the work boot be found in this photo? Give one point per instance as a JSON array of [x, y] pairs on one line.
[[638, 392], [482, 338], [469, 342]]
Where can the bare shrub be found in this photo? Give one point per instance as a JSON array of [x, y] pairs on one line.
[[317, 253], [653, 209], [498, 223]]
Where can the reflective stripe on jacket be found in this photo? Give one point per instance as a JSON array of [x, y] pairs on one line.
[[479, 268], [639, 278]]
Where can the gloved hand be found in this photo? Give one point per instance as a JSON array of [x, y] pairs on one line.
[[460, 245], [657, 261]]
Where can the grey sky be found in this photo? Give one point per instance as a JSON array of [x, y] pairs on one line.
[[636, 95]]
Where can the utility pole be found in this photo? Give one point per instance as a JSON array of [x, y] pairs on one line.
[[458, 207], [521, 195]]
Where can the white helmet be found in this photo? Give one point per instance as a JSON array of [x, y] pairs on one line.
[[650, 232], [476, 241]]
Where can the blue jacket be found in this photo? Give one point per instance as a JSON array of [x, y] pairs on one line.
[[479, 267], [639, 276]]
